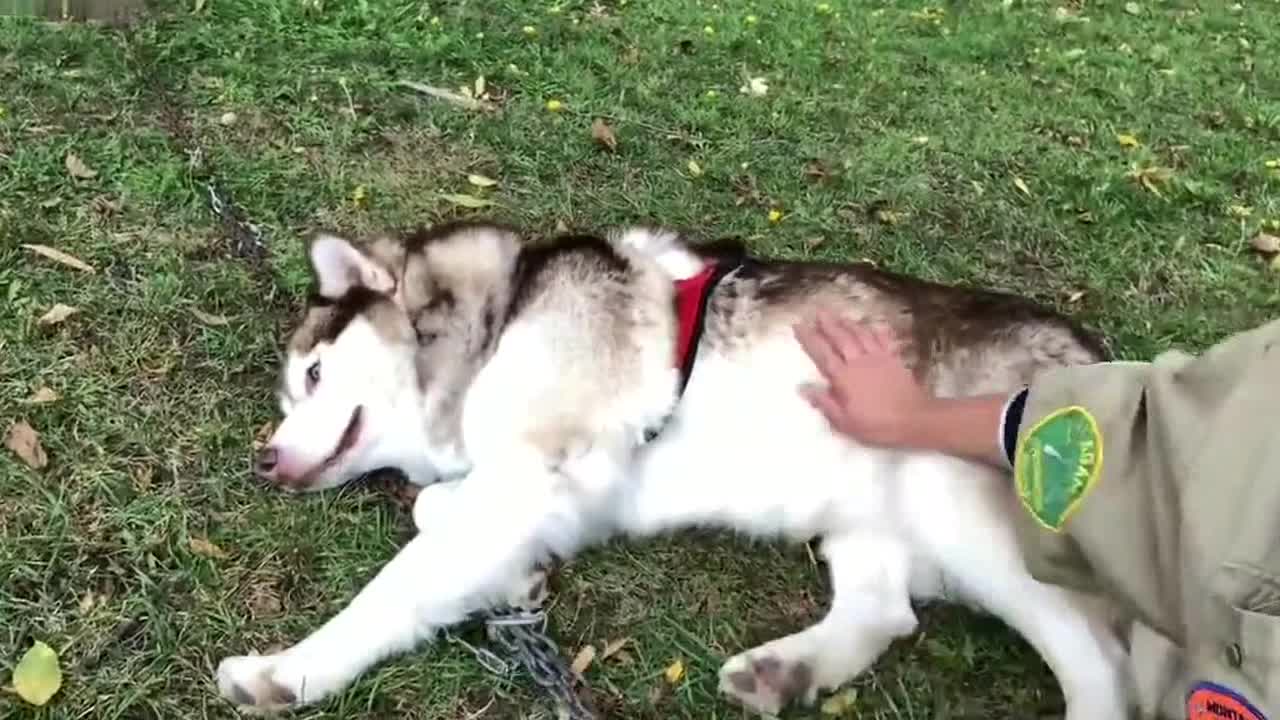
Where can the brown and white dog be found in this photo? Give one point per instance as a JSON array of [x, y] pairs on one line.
[[538, 392]]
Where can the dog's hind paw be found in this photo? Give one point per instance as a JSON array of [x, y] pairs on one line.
[[249, 682], [767, 684]]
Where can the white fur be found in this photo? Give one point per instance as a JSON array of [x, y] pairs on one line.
[[743, 451]]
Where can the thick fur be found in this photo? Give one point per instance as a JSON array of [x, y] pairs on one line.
[[517, 381]]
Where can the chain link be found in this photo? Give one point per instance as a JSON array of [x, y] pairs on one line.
[[522, 637]]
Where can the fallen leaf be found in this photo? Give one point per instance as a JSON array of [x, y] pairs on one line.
[[674, 671], [1127, 141], [480, 86], [38, 676], [1275, 263], [462, 101], [814, 241], [59, 256], [1075, 296], [695, 169], [360, 197], [583, 659], [775, 216], [755, 87], [840, 703], [203, 547], [1272, 164], [24, 441], [889, 217], [1133, 8], [51, 203], [57, 314], [208, 318], [228, 119], [1021, 185], [469, 201], [612, 647], [42, 396], [481, 181], [86, 602], [77, 169], [1240, 211], [603, 134], [816, 170], [554, 105], [1266, 243]]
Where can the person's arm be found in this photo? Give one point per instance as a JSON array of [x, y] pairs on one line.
[[872, 397]]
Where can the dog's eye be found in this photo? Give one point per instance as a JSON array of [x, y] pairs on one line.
[[313, 375]]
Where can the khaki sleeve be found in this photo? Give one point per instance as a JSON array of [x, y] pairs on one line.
[[1104, 456]]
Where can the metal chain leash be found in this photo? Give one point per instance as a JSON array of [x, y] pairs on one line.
[[522, 636]]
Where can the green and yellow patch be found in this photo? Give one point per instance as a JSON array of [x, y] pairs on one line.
[[1057, 464]]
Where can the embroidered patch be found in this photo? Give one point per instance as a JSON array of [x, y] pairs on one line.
[[1057, 465], [1208, 701]]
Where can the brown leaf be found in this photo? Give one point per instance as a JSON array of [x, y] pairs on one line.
[[613, 647], [263, 434], [77, 169], [816, 170], [24, 441], [208, 318], [43, 395], [203, 547], [583, 659], [603, 134], [57, 314], [1266, 243], [59, 256]]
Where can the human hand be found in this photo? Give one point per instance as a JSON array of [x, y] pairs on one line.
[[870, 394]]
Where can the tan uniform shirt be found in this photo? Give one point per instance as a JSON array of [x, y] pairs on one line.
[[1160, 484]]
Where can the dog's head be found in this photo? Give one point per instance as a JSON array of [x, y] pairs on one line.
[[391, 336], [348, 387]]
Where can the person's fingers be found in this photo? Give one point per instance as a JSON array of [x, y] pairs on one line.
[[819, 350], [847, 346], [825, 403], [885, 338]]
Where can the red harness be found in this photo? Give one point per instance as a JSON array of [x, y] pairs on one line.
[[691, 310]]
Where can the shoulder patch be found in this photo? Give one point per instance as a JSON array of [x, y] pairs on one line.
[[1209, 701], [1058, 464]]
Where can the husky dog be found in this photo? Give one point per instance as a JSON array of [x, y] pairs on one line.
[[553, 395]]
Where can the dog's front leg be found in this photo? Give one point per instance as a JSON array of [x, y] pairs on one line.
[[504, 521]]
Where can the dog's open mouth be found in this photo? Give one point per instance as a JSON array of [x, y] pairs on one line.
[[348, 440]]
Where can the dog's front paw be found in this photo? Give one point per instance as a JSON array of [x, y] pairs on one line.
[[766, 683], [250, 683]]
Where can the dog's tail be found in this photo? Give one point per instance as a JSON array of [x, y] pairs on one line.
[[665, 247]]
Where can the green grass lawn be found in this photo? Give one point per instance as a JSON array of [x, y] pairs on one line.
[[1108, 158]]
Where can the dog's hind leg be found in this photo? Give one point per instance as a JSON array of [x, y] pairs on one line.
[[505, 520], [871, 606], [981, 560]]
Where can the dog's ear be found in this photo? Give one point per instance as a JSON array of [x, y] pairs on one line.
[[339, 266]]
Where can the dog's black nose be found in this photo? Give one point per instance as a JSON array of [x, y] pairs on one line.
[[266, 461]]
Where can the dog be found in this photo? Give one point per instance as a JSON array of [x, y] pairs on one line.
[[552, 395]]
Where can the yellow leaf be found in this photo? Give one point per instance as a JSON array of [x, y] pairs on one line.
[[554, 106], [360, 196], [583, 659], [469, 201], [1127, 141], [57, 314], [59, 256], [775, 216], [1241, 211], [674, 671], [481, 181], [38, 676], [1017, 181], [203, 547], [839, 703], [695, 169], [1273, 164]]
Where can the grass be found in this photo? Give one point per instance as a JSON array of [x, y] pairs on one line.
[[965, 142]]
